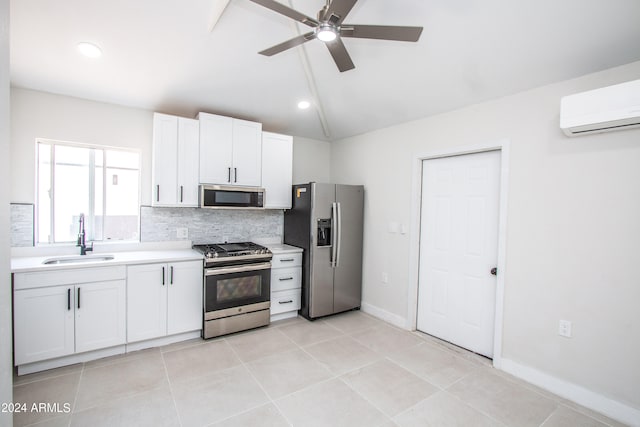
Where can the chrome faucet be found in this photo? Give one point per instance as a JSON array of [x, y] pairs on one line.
[[81, 238]]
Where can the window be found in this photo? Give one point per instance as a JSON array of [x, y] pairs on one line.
[[103, 183]]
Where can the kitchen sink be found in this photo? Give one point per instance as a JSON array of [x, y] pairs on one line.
[[77, 259]]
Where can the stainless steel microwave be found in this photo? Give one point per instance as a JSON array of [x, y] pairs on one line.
[[231, 197]]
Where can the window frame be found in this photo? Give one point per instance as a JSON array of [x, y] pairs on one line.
[[90, 216]]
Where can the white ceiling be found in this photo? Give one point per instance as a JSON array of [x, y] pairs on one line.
[[160, 55]]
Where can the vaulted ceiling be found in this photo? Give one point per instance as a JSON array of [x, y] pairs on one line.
[[163, 55]]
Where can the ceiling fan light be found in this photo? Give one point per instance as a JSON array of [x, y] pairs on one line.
[[326, 33]]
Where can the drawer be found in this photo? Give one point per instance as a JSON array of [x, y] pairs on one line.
[[283, 279], [286, 260], [284, 301], [68, 276]]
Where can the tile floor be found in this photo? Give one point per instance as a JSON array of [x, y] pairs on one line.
[[346, 370]]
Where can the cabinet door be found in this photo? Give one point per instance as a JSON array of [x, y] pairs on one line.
[[165, 151], [43, 323], [185, 297], [146, 302], [188, 161], [247, 153], [277, 170], [216, 139], [100, 315]]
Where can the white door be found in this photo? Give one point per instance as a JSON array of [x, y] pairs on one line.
[[184, 313], [247, 153], [165, 150], [188, 161], [100, 315], [216, 146], [458, 249], [146, 301], [277, 169], [43, 323]]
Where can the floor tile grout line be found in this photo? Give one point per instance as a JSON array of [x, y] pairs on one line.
[[373, 405], [480, 411], [416, 404], [173, 398], [581, 412], [270, 399], [75, 399], [548, 416]]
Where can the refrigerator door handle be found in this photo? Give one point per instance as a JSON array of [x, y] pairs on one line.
[[339, 235], [334, 237]]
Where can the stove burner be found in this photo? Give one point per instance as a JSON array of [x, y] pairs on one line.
[[221, 252]]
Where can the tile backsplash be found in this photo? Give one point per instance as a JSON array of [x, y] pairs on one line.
[[22, 224], [210, 225], [162, 224]]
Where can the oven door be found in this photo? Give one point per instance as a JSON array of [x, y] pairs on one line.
[[238, 285]]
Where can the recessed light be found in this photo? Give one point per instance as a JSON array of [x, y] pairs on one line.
[[89, 50], [303, 105]]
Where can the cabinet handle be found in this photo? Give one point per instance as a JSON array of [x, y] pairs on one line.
[[69, 299], [157, 193], [171, 273], [235, 174], [229, 175], [181, 193], [285, 302], [78, 298], [162, 276], [282, 279], [287, 260]]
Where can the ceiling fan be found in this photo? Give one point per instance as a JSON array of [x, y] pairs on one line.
[[329, 28]]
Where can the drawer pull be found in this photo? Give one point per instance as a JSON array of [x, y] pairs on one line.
[[282, 279], [285, 302], [287, 260]]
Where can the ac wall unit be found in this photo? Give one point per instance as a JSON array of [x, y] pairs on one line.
[[610, 108]]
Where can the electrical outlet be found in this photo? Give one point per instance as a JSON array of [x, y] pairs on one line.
[[182, 233], [564, 328], [385, 278]]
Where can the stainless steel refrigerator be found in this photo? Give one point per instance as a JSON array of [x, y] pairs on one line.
[[326, 220]]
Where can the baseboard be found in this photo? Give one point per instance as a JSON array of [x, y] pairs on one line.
[[381, 314], [580, 395]]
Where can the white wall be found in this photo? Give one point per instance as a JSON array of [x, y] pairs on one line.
[[6, 346], [43, 115], [573, 246], [311, 160]]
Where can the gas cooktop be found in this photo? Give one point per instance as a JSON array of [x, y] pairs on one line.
[[221, 252]]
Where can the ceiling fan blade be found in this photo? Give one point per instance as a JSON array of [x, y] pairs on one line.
[[338, 10], [381, 32], [287, 11], [340, 55], [296, 41]]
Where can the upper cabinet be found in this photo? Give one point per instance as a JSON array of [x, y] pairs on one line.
[[230, 151], [175, 154], [277, 169]]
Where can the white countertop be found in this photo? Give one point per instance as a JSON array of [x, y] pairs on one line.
[[36, 263], [281, 248]]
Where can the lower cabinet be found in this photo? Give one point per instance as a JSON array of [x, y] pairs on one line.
[[57, 321], [286, 282], [163, 299]]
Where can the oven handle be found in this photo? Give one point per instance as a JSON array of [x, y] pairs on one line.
[[236, 269]]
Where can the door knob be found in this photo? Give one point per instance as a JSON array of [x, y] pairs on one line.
[[494, 271]]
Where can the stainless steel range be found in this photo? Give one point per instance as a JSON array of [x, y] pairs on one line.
[[236, 287]]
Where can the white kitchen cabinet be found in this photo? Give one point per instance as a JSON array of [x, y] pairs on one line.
[[286, 281], [163, 299], [277, 169], [175, 160], [43, 322], [230, 151], [56, 321]]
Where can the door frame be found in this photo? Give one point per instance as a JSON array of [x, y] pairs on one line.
[[414, 250]]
